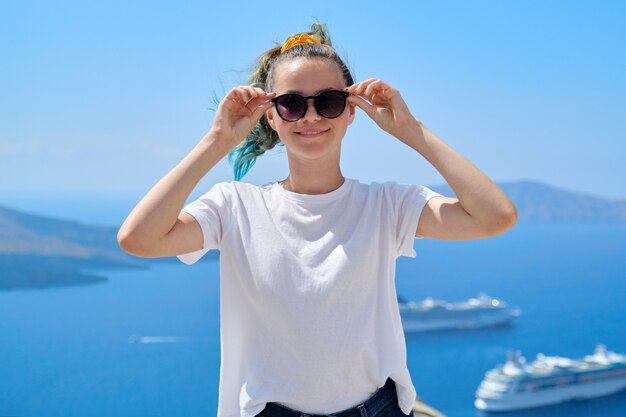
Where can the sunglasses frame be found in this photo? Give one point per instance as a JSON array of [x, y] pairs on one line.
[[315, 101]]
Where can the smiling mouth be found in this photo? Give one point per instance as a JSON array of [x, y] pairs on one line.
[[312, 133]]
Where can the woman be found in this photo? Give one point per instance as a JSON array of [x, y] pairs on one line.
[[309, 315]]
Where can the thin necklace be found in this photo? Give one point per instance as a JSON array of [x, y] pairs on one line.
[[282, 184]]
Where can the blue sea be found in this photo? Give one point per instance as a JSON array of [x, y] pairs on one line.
[[65, 352]]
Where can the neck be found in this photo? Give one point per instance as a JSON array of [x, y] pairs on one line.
[[313, 177]]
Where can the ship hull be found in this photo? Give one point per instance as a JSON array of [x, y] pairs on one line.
[[416, 324], [551, 396]]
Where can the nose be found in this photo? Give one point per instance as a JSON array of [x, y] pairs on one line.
[[311, 112]]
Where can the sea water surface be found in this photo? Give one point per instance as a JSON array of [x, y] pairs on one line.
[[146, 343]]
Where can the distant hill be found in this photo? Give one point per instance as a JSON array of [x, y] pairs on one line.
[[540, 203], [38, 251]]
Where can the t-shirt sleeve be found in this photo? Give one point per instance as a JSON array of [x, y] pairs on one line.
[[210, 210], [409, 201]]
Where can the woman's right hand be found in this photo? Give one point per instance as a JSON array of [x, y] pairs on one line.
[[240, 111], [156, 227]]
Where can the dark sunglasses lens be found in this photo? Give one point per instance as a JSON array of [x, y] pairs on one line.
[[291, 107], [330, 104]]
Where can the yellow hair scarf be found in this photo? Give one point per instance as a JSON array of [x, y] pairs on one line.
[[301, 39]]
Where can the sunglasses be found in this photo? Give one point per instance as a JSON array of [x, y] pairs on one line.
[[292, 107]]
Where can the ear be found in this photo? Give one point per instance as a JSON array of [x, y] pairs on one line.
[[352, 110], [270, 114]]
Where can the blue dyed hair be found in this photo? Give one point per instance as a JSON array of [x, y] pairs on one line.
[[262, 138]]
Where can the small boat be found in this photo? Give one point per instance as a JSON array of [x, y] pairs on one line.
[[158, 339], [550, 380], [475, 313]]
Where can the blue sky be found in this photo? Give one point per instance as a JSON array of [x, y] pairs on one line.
[[101, 100]]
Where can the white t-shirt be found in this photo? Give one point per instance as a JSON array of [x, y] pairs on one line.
[[308, 309]]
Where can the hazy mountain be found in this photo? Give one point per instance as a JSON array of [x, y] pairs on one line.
[[540, 203], [38, 251]]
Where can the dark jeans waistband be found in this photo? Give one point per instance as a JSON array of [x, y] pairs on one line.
[[372, 406]]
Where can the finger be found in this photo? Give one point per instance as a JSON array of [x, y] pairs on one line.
[[388, 91], [351, 89], [361, 103], [373, 89], [259, 91], [257, 101], [247, 93], [237, 103], [360, 87], [260, 110], [380, 91], [256, 96], [233, 94], [254, 91], [240, 100], [262, 93], [354, 88], [376, 87], [236, 96]]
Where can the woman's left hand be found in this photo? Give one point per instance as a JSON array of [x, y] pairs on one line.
[[383, 104]]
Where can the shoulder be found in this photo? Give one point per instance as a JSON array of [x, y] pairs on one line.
[[248, 190], [243, 194], [371, 187], [398, 196], [390, 188], [241, 188]]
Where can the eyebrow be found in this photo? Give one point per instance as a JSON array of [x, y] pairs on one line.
[[318, 92]]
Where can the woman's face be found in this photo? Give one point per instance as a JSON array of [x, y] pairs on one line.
[[313, 136]]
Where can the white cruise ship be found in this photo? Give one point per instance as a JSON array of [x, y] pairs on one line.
[[550, 380], [429, 314]]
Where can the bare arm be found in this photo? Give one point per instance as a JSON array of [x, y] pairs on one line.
[[481, 209], [156, 226]]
